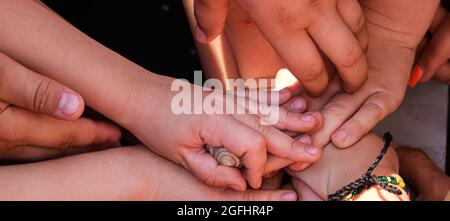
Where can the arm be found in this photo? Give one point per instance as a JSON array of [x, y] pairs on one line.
[[141, 101], [128, 173], [338, 168], [419, 170]]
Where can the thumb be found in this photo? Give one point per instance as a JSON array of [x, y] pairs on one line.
[[27, 89], [211, 16]]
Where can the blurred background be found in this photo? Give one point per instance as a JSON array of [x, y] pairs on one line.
[[155, 34]]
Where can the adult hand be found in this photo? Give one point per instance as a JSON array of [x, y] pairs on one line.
[[434, 59], [294, 28], [418, 169], [394, 36], [39, 116]]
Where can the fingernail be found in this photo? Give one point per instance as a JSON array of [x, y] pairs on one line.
[[304, 139], [307, 118], [68, 103], [297, 105], [200, 35], [416, 75], [289, 196], [311, 150], [342, 136]]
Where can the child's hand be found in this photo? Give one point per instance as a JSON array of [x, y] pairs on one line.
[[175, 183], [338, 168], [434, 60], [40, 117], [293, 28], [126, 173], [181, 138]]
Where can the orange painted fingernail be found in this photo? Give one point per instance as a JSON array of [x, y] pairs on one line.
[[416, 75]]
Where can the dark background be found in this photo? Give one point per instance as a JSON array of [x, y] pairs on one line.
[[152, 33]]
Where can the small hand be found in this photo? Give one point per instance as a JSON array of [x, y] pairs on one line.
[[181, 137]]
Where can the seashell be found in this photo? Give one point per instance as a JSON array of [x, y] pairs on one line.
[[224, 157]]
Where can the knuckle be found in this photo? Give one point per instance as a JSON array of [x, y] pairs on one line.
[[67, 140], [312, 72], [334, 107], [359, 25], [376, 110], [209, 180], [351, 57], [265, 130], [40, 95], [260, 142], [287, 23], [315, 5], [392, 99], [9, 133]]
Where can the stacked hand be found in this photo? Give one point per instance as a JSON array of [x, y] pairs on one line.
[[394, 36], [435, 54], [294, 28], [40, 117], [181, 138]]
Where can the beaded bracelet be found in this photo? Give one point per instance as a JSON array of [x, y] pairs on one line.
[[387, 180], [391, 184]]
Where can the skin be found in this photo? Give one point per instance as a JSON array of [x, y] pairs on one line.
[[420, 176], [394, 34], [41, 117], [338, 168], [127, 173], [435, 55], [41, 40], [293, 28]]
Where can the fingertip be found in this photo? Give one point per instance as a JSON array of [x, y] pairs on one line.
[[70, 106], [201, 36], [284, 95], [254, 180], [416, 75], [289, 196], [304, 139], [314, 152], [341, 138], [305, 153], [298, 105]]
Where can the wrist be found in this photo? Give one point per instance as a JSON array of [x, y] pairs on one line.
[[377, 193]]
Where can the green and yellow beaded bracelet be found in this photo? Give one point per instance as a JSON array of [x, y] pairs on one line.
[[387, 180]]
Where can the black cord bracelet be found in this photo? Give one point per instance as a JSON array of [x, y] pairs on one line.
[[368, 179]]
